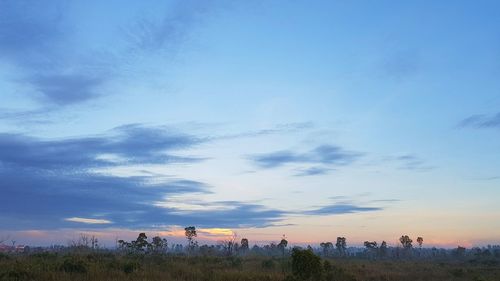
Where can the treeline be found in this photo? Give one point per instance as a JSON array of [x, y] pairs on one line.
[[230, 246]]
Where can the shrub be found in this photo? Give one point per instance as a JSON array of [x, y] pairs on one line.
[[16, 274], [4, 257], [306, 265], [73, 265], [130, 267], [268, 264], [236, 262]]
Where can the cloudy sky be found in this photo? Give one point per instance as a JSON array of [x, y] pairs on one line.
[[314, 119]]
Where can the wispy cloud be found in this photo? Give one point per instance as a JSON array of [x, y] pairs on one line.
[[325, 154], [312, 171], [295, 127], [129, 144], [51, 67], [167, 33], [482, 121], [34, 37], [65, 89], [338, 208], [412, 162], [88, 221], [49, 184]]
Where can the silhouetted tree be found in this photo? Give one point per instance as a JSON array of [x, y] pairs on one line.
[[229, 244], [327, 247], [459, 252], [282, 245], [244, 245], [420, 241], [371, 245], [406, 241], [371, 248], [190, 233], [122, 245], [94, 242], [341, 245], [383, 249], [85, 242], [159, 245], [141, 243]]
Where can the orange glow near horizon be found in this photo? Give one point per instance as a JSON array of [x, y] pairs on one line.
[[213, 235]]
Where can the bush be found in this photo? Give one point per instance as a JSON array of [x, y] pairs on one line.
[[4, 257], [16, 274], [268, 264], [73, 265], [306, 265], [130, 267], [236, 262]]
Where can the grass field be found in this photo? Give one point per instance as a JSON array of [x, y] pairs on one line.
[[114, 266]]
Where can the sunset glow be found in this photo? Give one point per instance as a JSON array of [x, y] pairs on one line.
[[250, 119]]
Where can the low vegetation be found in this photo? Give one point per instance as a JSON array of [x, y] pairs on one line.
[[153, 259], [301, 265]]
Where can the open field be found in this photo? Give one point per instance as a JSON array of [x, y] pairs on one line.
[[114, 266]]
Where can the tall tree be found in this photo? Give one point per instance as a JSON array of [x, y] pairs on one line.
[[159, 245], [244, 245], [327, 247], [406, 241], [371, 245], [420, 241], [283, 243], [229, 244], [383, 249], [282, 246], [191, 234], [371, 248], [141, 243], [341, 245]]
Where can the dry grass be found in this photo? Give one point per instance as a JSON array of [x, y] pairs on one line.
[[109, 266]]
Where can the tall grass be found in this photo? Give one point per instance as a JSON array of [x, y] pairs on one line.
[[93, 266]]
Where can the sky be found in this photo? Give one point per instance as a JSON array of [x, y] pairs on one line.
[[310, 119]]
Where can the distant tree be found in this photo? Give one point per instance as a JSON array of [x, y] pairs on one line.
[[420, 241], [159, 245], [383, 249], [229, 244], [122, 244], [141, 243], [85, 242], [244, 245], [371, 248], [282, 245], [406, 241], [459, 251], [371, 245], [327, 247], [341, 245], [178, 248], [191, 234], [94, 242]]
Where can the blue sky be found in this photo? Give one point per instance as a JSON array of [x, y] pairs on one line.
[[364, 119]]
